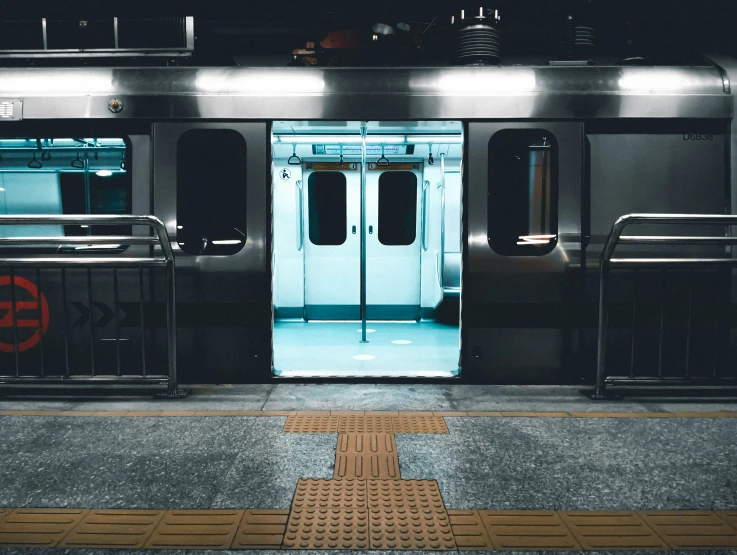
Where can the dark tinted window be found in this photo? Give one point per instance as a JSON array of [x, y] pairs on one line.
[[397, 208], [327, 208], [211, 191], [523, 192]]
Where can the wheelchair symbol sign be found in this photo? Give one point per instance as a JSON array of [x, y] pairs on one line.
[[285, 174]]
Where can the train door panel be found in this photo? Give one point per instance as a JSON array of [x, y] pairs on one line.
[[211, 191], [393, 243], [524, 237], [331, 229]]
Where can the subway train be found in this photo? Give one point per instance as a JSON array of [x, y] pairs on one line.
[[440, 224]]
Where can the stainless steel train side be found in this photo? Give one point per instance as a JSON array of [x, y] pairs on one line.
[[627, 139]]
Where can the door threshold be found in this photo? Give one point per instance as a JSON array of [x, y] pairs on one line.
[[366, 374]]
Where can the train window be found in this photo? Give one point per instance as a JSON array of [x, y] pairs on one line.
[[211, 191], [523, 192], [327, 208], [63, 176], [397, 208]]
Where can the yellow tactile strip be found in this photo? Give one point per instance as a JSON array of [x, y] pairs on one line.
[[38, 527], [368, 421], [261, 529], [363, 514], [202, 529], [607, 530], [538, 530], [115, 528], [366, 456], [406, 423], [691, 529], [403, 523]]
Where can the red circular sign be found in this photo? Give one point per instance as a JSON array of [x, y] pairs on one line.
[[8, 318]]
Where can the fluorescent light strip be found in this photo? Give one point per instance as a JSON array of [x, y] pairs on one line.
[[227, 242], [370, 139]]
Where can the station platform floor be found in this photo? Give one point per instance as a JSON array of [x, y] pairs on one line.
[[346, 467]]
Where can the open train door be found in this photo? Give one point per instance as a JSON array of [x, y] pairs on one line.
[[211, 189], [524, 238]]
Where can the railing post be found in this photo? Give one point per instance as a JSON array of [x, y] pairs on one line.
[[600, 391]]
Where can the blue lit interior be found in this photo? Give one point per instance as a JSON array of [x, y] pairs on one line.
[[412, 280], [61, 176]]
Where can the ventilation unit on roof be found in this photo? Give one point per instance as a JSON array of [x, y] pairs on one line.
[[108, 37]]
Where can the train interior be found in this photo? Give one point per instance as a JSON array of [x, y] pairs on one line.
[[367, 248]]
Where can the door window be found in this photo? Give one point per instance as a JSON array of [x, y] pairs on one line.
[[397, 208], [327, 206], [211, 191], [523, 192]]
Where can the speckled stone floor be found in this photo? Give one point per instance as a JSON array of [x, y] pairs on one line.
[[483, 463]]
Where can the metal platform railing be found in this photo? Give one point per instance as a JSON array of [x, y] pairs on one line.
[[616, 238], [77, 254]]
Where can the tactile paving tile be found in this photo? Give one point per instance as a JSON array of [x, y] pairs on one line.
[[38, 527], [729, 516], [261, 529], [359, 424], [419, 425], [411, 528], [404, 494], [602, 530], [691, 529], [342, 528], [311, 424], [4, 513], [330, 494], [207, 529], [469, 531], [115, 528], [366, 456], [523, 530]]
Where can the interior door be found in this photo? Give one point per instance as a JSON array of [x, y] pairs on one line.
[[393, 242], [332, 217]]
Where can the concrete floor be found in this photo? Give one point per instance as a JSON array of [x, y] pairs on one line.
[[485, 463]]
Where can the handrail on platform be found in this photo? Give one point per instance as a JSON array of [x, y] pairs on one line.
[[83, 260], [615, 238]]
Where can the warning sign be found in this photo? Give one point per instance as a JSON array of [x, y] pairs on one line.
[[24, 290]]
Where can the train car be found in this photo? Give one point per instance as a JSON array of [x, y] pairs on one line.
[[374, 223]]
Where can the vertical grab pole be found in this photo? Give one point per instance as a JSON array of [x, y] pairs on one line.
[[363, 233], [442, 222]]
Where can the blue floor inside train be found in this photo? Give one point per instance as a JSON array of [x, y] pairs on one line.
[[395, 349]]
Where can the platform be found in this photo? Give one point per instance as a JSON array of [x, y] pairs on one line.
[[367, 467]]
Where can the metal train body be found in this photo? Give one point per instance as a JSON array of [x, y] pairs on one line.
[[626, 139]]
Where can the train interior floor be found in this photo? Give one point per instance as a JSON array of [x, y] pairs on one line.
[[380, 467], [394, 349]]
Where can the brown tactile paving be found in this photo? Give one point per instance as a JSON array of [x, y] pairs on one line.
[[469, 531], [366, 456], [523, 530], [411, 528], [38, 527], [691, 529], [330, 494], [311, 424], [114, 528], [602, 530], [335, 528], [261, 529], [358, 424], [419, 425], [4, 513], [404, 494], [206, 529], [730, 517]]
